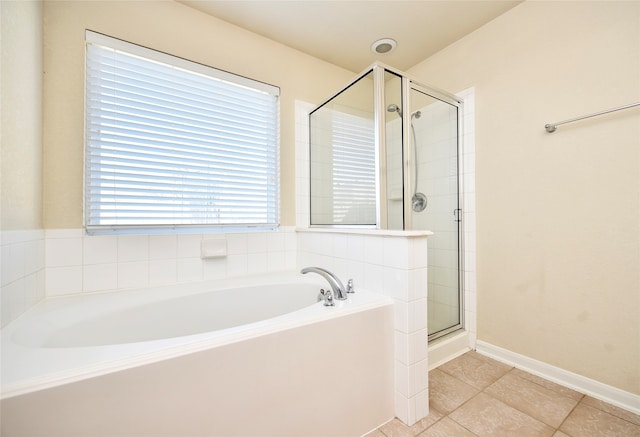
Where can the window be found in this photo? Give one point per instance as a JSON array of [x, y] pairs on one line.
[[172, 143]]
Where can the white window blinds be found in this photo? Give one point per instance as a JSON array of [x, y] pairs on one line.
[[354, 170], [173, 143]]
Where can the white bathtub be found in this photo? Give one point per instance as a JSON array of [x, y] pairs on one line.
[[246, 357]]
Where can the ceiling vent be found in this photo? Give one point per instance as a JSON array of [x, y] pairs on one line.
[[384, 45]]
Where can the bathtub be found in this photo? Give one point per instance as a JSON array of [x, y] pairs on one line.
[[246, 357]]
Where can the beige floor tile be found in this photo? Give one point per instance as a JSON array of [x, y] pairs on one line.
[[447, 393], [421, 425], [447, 428], [564, 391], [375, 433], [539, 402], [486, 416], [612, 409], [396, 428], [560, 434], [586, 421], [476, 370]]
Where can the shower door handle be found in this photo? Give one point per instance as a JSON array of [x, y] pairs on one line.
[[457, 215]]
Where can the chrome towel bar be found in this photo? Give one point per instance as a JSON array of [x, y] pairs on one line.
[[551, 127]]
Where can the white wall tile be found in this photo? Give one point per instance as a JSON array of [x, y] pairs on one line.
[[276, 261], [13, 298], [257, 243], [402, 347], [133, 248], [10, 268], [35, 287], [276, 242], [401, 375], [291, 260], [100, 277], [163, 271], [395, 283], [401, 310], [373, 250], [60, 252], [189, 245], [256, 263], [374, 277], [63, 280], [418, 283], [189, 269], [35, 256], [418, 251], [417, 342], [237, 265], [401, 407], [99, 250], [163, 247], [417, 315], [418, 377], [421, 405], [215, 268], [396, 252], [133, 274], [237, 244]]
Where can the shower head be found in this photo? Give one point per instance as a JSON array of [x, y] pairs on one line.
[[394, 108]]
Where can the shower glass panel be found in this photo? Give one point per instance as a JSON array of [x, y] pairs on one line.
[[434, 140], [384, 154], [343, 158]]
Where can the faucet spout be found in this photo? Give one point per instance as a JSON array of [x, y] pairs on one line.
[[338, 289]]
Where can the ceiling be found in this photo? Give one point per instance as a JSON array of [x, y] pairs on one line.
[[341, 32]]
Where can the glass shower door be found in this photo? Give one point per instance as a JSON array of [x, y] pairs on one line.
[[434, 181]]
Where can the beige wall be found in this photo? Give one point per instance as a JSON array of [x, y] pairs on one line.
[[21, 115], [558, 215], [176, 29]]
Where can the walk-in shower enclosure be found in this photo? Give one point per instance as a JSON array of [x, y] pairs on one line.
[[385, 154]]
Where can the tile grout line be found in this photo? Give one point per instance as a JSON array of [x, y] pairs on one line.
[[568, 415]]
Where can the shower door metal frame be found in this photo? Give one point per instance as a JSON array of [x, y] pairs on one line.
[[408, 84]]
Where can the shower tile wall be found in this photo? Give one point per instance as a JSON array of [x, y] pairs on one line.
[[23, 272]]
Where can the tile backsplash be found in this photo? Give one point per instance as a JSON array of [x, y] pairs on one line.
[[22, 257], [76, 262]]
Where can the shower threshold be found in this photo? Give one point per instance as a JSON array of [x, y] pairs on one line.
[[449, 347]]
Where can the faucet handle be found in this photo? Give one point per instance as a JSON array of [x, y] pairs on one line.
[[327, 296], [350, 288]]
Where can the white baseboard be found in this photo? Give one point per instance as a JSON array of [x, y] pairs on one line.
[[598, 390]]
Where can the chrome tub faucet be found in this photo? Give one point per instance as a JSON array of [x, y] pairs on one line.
[[338, 289]]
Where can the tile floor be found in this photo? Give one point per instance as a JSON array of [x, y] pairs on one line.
[[473, 395]]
